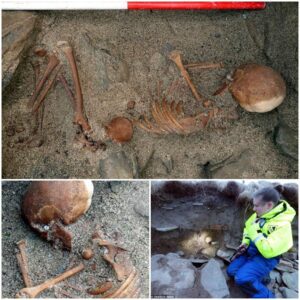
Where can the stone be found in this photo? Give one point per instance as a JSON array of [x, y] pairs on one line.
[[213, 280], [286, 139], [198, 204], [220, 262], [172, 276], [157, 62], [274, 275], [291, 280], [17, 36], [288, 293], [142, 208], [167, 228], [117, 165], [285, 266], [225, 254]]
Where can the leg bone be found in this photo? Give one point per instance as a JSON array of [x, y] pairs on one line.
[[23, 264], [79, 117], [53, 62], [32, 292]]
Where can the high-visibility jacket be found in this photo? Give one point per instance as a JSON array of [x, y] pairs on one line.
[[272, 232]]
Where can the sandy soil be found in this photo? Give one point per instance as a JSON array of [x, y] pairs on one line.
[[119, 209], [122, 56]]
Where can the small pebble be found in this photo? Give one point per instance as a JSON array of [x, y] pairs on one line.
[[131, 104]]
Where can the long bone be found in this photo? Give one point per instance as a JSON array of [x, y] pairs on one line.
[[45, 91], [78, 117], [52, 63], [23, 263], [175, 56], [32, 292]]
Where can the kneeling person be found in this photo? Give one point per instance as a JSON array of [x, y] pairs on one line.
[[267, 235]]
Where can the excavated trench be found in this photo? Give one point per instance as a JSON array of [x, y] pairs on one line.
[[196, 224], [121, 58], [196, 220]]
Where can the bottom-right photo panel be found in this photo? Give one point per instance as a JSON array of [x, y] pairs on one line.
[[224, 239]]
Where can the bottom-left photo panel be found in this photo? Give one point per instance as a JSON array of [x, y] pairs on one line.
[[75, 239]]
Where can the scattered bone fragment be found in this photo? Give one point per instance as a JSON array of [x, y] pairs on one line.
[[32, 292], [101, 288]]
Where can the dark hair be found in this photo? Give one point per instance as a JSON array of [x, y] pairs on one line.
[[267, 195]]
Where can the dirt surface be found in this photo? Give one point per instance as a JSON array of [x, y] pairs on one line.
[[122, 56], [119, 209]]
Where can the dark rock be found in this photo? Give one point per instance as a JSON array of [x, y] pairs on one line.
[[232, 189], [17, 36], [216, 288], [286, 139], [118, 166]]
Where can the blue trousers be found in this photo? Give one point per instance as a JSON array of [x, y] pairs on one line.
[[248, 272]]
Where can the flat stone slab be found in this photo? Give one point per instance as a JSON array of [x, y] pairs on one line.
[[213, 280]]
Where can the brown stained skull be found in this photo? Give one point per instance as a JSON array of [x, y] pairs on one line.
[[257, 88], [49, 205]]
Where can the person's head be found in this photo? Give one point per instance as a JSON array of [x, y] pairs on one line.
[[264, 200]]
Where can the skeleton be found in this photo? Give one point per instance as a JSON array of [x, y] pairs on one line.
[[169, 117], [53, 73]]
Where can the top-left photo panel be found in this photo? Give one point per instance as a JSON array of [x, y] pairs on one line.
[[170, 94]]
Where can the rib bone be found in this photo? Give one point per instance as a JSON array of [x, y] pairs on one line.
[[32, 292], [176, 57], [128, 289], [79, 117]]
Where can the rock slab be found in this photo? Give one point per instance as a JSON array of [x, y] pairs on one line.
[[17, 37], [172, 276], [291, 280], [213, 280]]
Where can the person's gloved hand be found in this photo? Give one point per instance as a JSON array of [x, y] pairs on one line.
[[239, 251], [242, 248]]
